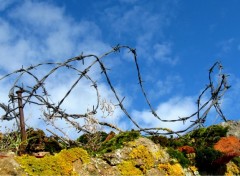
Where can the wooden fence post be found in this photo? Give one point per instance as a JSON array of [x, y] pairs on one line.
[[22, 122]]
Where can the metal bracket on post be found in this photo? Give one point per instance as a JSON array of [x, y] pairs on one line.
[[21, 114]]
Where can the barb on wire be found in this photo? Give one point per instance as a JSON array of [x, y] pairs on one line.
[[38, 95]]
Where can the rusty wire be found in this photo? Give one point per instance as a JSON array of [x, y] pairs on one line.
[[54, 110]]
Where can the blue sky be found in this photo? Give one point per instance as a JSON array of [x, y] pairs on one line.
[[176, 42]]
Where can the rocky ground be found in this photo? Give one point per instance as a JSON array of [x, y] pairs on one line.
[[126, 155]]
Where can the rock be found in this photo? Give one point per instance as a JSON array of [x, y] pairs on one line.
[[40, 154], [97, 167], [234, 127], [119, 155], [154, 171], [8, 166]]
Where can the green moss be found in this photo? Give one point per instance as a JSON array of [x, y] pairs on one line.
[[118, 141], [99, 136], [52, 145], [167, 142], [92, 142], [205, 136], [179, 156], [162, 140], [236, 160], [59, 164]]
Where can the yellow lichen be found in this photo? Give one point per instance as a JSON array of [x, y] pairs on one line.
[[175, 169], [59, 164], [144, 156], [193, 168], [128, 168], [159, 154], [232, 169]]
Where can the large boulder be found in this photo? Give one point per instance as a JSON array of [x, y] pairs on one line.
[[233, 128]]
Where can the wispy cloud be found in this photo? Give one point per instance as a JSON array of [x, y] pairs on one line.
[[44, 33], [144, 23], [163, 53], [169, 110], [170, 85], [225, 46]]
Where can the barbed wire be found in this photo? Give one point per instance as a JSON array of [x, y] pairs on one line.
[[54, 110]]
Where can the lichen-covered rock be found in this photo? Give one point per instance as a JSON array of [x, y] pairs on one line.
[[59, 164], [131, 149], [230, 146], [171, 169], [138, 157], [96, 167], [117, 156], [232, 169], [233, 128]]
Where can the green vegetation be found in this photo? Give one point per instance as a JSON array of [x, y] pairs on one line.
[[96, 144], [92, 142], [205, 158], [118, 141], [167, 142], [184, 161], [236, 160], [37, 141], [205, 136], [10, 141]]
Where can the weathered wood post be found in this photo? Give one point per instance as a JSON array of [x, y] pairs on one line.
[[22, 122]]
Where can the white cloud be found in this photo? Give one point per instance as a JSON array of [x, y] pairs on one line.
[[39, 14], [6, 32], [163, 53], [169, 110], [45, 33]]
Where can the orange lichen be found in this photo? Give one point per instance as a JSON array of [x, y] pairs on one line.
[[230, 146], [186, 149]]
